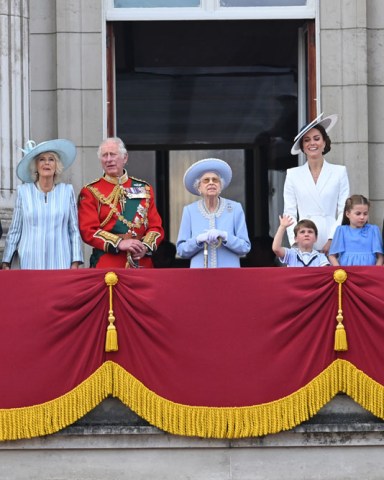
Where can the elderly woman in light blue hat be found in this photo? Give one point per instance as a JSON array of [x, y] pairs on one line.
[[213, 232], [44, 229]]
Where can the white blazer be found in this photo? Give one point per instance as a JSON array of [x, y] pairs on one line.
[[322, 202]]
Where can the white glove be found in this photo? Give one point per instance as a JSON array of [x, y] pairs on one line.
[[214, 234], [202, 237]]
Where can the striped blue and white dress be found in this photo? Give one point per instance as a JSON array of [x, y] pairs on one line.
[[44, 229]]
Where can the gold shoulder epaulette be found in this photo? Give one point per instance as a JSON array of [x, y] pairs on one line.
[[138, 180], [91, 183]]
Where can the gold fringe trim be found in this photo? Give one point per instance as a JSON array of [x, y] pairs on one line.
[[50, 417], [225, 422], [198, 421], [256, 420]]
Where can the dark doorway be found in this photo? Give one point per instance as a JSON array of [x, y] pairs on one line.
[[209, 85]]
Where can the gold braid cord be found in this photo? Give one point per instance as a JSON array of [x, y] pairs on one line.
[[111, 344], [117, 195], [341, 343], [111, 200]]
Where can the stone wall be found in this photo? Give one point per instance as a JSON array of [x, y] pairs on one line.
[[67, 62], [352, 85], [112, 442]]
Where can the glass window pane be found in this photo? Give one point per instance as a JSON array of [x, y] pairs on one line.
[[262, 3], [142, 165], [156, 3], [202, 83], [229, 108], [179, 161]]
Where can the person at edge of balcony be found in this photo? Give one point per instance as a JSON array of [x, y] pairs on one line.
[[316, 190], [302, 254], [117, 213], [356, 242], [213, 232], [44, 229]]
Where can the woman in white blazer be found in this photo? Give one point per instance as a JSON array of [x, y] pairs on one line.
[[316, 190]]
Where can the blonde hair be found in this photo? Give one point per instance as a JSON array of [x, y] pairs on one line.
[[59, 167]]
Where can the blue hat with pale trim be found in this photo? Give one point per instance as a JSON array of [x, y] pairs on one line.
[[65, 149], [197, 170], [327, 123]]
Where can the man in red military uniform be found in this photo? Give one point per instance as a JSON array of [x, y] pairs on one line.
[[118, 215]]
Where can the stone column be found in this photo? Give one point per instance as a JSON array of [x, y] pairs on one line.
[[14, 95], [375, 34], [344, 85]]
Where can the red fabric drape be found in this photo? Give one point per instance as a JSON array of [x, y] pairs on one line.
[[225, 337], [52, 333]]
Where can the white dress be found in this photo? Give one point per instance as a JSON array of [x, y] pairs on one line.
[[322, 202]]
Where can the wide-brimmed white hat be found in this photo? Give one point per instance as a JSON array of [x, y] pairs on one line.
[[65, 149], [327, 123], [197, 170]]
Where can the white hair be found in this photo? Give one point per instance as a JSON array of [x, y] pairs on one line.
[[122, 150], [196, 183]]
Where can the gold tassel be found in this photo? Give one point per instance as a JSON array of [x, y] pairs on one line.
[[111, 338], [111, 344], [341, 343]]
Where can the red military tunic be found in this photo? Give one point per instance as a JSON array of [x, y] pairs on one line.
[[111, 209]]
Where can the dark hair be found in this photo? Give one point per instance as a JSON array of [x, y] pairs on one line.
[[325, 136], [350, 203], [307, 224]]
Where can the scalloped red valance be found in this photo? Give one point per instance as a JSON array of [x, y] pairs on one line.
[[223, 353]]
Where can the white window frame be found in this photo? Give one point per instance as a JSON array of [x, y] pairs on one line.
[[210, 10]]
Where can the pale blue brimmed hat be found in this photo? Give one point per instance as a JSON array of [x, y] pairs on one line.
[[197, 170], [65, 149], [327, 123]]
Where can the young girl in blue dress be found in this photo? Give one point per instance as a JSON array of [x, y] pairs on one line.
[[356, 242]]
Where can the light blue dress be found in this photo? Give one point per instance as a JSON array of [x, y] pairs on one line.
[[357, 246], [196, 219], [44, 229]]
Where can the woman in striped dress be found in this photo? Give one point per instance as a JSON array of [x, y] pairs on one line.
[[44, 229]]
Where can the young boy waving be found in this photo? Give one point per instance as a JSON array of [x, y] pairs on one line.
[[302, 254]]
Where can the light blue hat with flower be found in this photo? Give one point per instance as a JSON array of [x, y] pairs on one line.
[[65, 149], [197, 170]]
